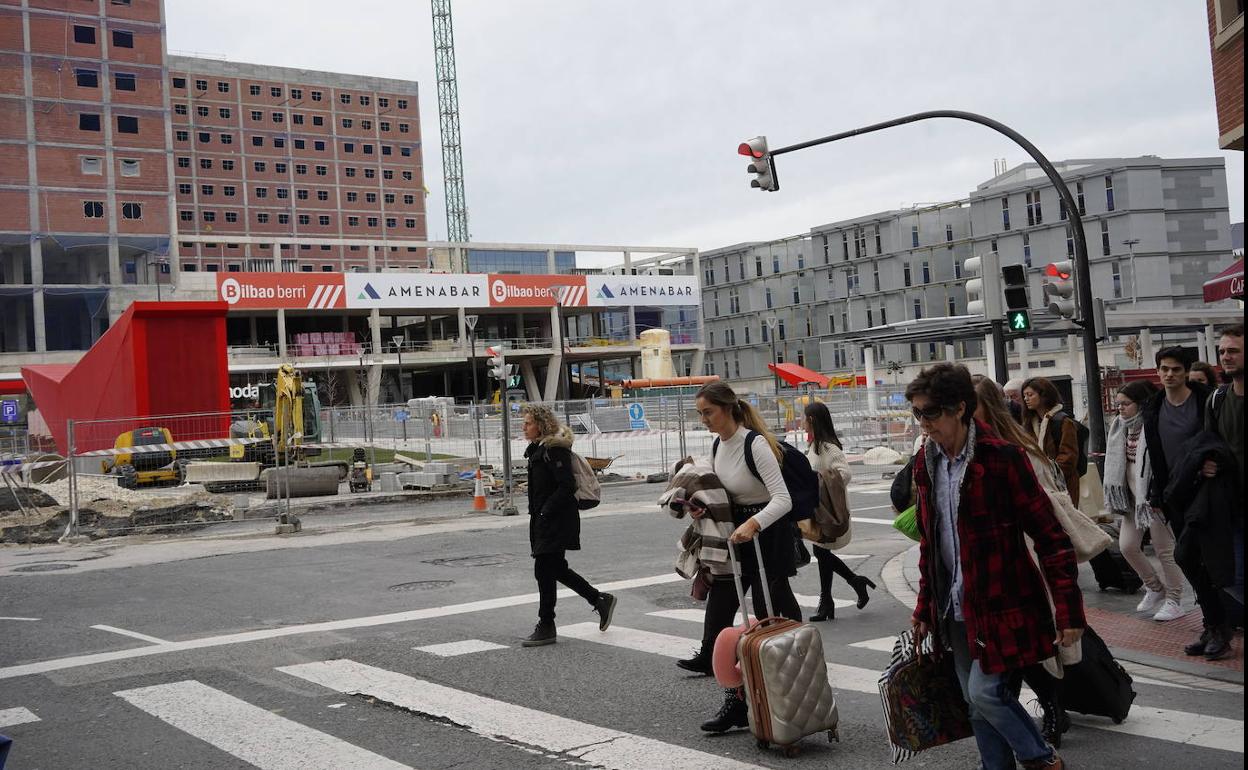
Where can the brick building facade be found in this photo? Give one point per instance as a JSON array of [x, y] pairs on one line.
[[1226, 48], [110, 149]]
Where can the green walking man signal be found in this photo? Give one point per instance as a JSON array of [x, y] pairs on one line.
[[1018, 320]]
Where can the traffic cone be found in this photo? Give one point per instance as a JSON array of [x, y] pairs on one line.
[[479, 502]]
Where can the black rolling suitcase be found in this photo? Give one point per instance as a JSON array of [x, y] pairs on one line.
[[1111, 569], [1097, 684]]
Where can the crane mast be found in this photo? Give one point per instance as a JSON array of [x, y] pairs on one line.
[[448, 120]]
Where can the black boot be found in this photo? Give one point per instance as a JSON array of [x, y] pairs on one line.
[[1199, 646], [1219, 646], [1055, 722], [700, 663], [861, 584], [826, 611], [734, 713], [543, 634]]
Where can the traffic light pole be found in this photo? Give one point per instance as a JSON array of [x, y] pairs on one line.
[[1091, 363], [999, 360]]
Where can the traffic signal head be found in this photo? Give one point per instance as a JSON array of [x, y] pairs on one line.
[[1018, 320], [983, 292], [761, 164], [1015, 280], [497, 363], [1059, 288]]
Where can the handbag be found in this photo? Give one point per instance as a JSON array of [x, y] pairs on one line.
[[801, 554], [922, 699], [701, 584], [1085, 535], [907, 523]]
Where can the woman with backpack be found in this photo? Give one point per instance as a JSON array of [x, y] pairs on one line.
[[554, 522], [759, 507], [1045, 418], [825, 454]]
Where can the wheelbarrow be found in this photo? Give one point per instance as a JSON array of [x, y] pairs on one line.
[[600, 464]]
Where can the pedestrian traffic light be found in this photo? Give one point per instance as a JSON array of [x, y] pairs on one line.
[[497, 363], [1059, 288], [1015, 279], [983, 292], [1018, 320], [761, 164]]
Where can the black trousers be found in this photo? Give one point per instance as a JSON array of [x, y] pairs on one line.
[[831, 565], [722, 604], [550, 569], [1212, 603]]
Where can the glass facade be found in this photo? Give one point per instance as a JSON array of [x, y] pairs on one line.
[[527, 262]]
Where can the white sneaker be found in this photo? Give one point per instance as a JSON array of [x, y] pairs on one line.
[[1151, 601], [1169, 611]]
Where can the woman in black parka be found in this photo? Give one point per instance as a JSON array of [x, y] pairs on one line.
[[554, 522]]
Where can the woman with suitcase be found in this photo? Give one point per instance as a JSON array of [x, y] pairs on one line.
[[758, 509], [825, 454]]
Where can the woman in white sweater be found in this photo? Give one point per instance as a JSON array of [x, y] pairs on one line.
[[759, 505], [825, 454]]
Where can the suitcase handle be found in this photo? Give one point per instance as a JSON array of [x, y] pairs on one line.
[[762, 576]]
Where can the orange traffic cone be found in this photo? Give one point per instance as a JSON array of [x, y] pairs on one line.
[[478, 495]]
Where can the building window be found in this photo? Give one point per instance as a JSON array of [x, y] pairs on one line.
[[905, 273], [93, 209], [257, 141], [301, 194], [316, 95], [257, 115], [322, 195], [1026, 249], [323, 219], [262, 192], [210, 216], [366, 124], [123, 39], [1034, 215], [132, 211], [253, 89], [279, 141], [402, 104], [352, 197], [1105, 238], [406, 152], [348, 147], [296, 93], [344, 98], [1079, 198], [851, 281], [127, 124], [186, 216], [409, 223], [184, 162], [204, 137], [223, 113], [1061, 208], [87, 78], [92, 166], [296, 118], [1116, 272], [347, 122], [1109, 193], [404, 128], [201, 85], [179, 109], [318, 145], [365, 101], [407, 176], [259, 166], [860, 242], [322, 170], [229, 191], [953, 306], [948, 234], [780, 329], [179, 83], [353, 221], [914, 236], [957, 269], [387, 149], [301, 168], [201, 111], [392, 222], [129, 167], [85, 35], [304, 219], [300, 144], [227, 138], [1005, 213], [918, 309], [1070, 242], [205, 163], [797, 294], [262, 218], [875, 272], [275, 92], [227, 165], [283, 193], [388, 198], [878, 241], [766, 294], [383, 102], [387, 174], [223, 86], [372, 198], [283, 219], [279, 117], [279, 168], [206, 189], [384, 125], [370, 173], [181, 136], [372, 221], [927, 272]]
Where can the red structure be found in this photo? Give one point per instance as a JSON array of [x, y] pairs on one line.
[[1226, 49], [160, 358]]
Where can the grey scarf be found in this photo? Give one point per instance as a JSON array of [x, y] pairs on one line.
[[1124, 495]]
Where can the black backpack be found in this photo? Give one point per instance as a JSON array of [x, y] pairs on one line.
[[1083, 433], [799, 478]]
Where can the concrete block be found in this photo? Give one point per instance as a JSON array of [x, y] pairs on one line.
[[389, 482]]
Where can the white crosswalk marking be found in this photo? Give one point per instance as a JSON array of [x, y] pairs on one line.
[[252, 734], [1163, 724], [16, 716], [451, 649], [882, 644], [596, 746]]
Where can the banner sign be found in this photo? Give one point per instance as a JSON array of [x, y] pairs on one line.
[[268, 291], [336, 291]]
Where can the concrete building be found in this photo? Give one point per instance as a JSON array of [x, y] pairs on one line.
[[110, 149], [1156, 230]]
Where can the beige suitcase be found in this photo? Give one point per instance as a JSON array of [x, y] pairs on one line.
[[786, 678]]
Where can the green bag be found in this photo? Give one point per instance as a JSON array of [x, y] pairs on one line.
[[907, 523]]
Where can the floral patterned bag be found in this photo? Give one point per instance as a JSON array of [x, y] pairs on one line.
[[923, 703]]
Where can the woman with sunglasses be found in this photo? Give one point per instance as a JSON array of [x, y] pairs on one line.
[[825, 454], [1127, 478]]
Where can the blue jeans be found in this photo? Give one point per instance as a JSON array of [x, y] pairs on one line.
[[1003, 728]]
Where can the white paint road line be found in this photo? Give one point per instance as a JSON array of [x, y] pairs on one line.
[[864, 520], [77, 661], [451, 649], [591, 744], [8, 618], [254, 735], [131, 634], [16, 716], [1202, 730], [882, 644]]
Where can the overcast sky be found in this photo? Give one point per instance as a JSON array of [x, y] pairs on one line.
[[618, 122]]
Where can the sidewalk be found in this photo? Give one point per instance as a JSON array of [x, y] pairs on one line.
[[1134, 636]]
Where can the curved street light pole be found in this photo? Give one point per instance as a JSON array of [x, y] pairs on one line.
[[1091, 363]]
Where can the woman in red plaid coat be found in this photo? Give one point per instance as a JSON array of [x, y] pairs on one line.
[[980, 591]]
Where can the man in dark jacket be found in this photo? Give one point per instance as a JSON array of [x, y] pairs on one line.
[[980, 590], [555, 523], [1171, 417]]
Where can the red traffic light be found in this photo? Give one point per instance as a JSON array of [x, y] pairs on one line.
[[1054, 271], [747, 150]]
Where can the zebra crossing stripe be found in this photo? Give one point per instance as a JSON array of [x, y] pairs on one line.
[[1204, 730], [596, 746], [16, 716], [253, 734]]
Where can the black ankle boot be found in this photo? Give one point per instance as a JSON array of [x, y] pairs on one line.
[[733, 713], [700, 663], [543, 634], [861, 584], [1219, 646], [826, 611], [1055, 722], [1198, 647]]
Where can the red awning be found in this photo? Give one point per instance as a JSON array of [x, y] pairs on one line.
[[1227, 284], [798, 375]]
